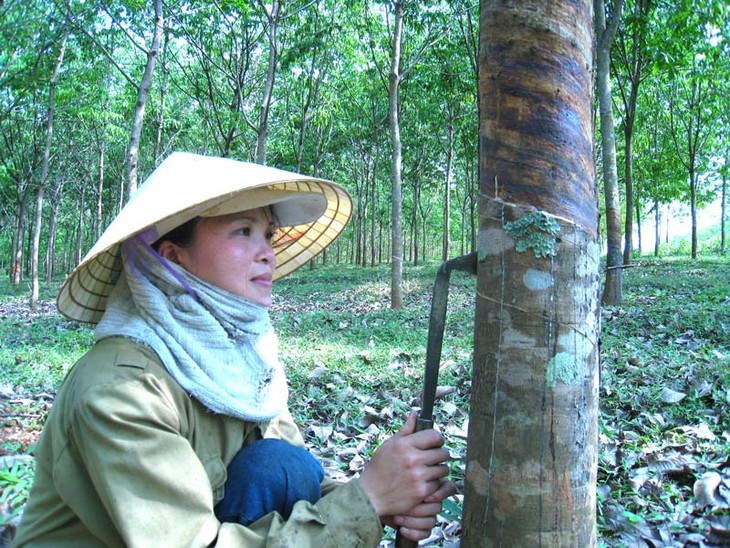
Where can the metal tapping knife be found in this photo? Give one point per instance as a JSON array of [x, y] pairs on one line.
[[466, 263]]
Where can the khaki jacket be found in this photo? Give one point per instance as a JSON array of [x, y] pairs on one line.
[[128, 458]]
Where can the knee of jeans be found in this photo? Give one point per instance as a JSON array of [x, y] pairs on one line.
[[277, 460]]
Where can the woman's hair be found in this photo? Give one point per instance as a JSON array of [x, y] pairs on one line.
[[182, 235]]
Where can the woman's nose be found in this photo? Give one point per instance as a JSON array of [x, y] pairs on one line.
[[266, 253]]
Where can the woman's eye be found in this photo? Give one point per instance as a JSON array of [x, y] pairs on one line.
[[246, 231]]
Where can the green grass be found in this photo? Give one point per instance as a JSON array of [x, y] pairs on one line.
[[340, 320], [36, 353], [665, 400], [16, 477], [356, 366]]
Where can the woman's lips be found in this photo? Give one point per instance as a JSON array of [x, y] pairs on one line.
[[264, 279]]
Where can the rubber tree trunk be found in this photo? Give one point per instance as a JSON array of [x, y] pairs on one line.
[[139, 107], [44, 176], [273, 14], [532, 441], [605, 32], [396, 249], [446, 240], [723, 205]]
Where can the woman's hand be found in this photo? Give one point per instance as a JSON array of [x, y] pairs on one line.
[[405, 479], [420, 520]]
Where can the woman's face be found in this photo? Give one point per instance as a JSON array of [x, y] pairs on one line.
[[232, 251]]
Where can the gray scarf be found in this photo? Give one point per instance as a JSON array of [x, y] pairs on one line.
[[218, 346]]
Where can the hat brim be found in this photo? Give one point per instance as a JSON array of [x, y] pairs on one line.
[[310, 213]]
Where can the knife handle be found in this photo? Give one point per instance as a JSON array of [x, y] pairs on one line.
[[423, 424], [401, 541]]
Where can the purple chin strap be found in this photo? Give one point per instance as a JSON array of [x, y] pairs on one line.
[[135, 257]]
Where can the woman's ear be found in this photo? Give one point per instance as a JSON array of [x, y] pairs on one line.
[[169, 251]]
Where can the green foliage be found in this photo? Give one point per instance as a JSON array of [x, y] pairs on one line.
[[37, 349], [329, 115], [37, 353], [356, 368], [16, 478], [344, 328]]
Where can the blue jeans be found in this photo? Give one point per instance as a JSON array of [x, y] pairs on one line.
[[268, 475]]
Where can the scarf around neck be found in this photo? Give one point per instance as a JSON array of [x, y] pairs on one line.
[[220, 347]]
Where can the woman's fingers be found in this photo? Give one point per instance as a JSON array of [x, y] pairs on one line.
[[445, 490]]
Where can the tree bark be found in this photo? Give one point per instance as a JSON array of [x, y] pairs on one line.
[[98, 221], [44, 176], [532, 442], [16, 246], [53, 229], [262, 132], [35, 247], [613, 286], [374, 207], [693, 209], [447, 184], [723, 203], [633, 55], [657, 227], [630, 202], [692, 124], [396, 251], [80, 227], [163, 99], [140, 105], [637, 207]]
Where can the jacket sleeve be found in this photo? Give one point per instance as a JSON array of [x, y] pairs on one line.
[[155, 491]]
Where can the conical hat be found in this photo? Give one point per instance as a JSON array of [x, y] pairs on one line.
[[311, 213]]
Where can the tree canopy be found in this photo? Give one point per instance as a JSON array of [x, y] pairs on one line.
[[304, 85]]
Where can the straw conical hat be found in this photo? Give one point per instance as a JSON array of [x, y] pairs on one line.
[[312, 213]]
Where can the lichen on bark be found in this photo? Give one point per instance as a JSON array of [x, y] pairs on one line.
[[537, 231]]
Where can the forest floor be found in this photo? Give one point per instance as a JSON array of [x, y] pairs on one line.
[[356, 367]]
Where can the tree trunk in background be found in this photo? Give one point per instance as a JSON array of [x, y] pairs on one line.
[[163, 98], [262, 132], [396, 250], [693, 208], [693, 120], [532, 443], [36, 244], [35, 252], [99, 220], [657, 227], [473, 181], [613, 286], [140, 105], [447, 185], [637, 206], [629, 220], [632, 53], [723, 203], [16, 247], [360, 184], [374, 208], [80, 227], [415, 234], [53, 230]]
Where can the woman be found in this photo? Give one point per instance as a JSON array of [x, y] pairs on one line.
[[173, 430]]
